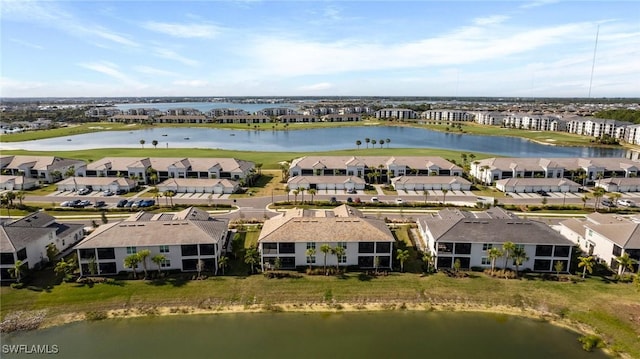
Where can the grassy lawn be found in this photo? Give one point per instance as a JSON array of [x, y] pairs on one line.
[[70, 131], [270, 160], [487, 191], [267, 184], [612, 309]]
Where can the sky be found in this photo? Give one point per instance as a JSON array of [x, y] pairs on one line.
[[539, 48]]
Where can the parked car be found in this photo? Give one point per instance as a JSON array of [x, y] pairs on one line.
[[99, 204], [333, 200], [121, 191], [147, 203], [349, 200], [626, 203], [399, 201], [542, 193], [82, 204], [352, 191], [129, 204], [607, 203], [121, 203], [84, 191], [107, 193], [374, 200], [65, 204]]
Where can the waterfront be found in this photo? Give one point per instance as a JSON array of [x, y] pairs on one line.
[[312, 335], [312, 140], [207, 106]]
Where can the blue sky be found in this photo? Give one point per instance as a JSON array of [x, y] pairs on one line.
[[319, 48]]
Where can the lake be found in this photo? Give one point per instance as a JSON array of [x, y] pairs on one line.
[[312, 335], [320, 139]]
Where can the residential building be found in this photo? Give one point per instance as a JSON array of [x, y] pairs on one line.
[[113, 184], [368, 242], [199, 185], [378, 169], [582, 170], [534, 122], [455, 235], [422, 183], [619, 184], [597, 127], [27, 238], [17, 183], [248, 119], [447, 116], [632, 134], [185, 238], [298, 118], [605, 236], [530, 185], [491, 118], [349, 117], [398, 113], [47, 169], [348, 183]]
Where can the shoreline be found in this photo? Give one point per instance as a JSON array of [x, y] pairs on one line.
[[576, 327]]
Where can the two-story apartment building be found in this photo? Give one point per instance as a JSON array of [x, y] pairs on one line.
[[47, 169]]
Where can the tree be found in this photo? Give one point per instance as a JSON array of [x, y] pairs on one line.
[[200, 267], [64, 269], [428, 258], [381, 143], [456, 265], [376, 263], [52, 251], [288, 190], [584, 199], [358, 143], [251, 257], [296, 192], [20, 196], [519, 256], [367, 140], [444, 195], [310, 253], [70, 172], [507, 249], [154, 143], [158, 259], [17, 270], [131, 261], [169, 195], [597, 194], [339, 252], [494, 253], [143, 255], [559, 267], [587, 264], [325, 249], [142, 142], [103, 217], [312, 192], [625, 262], [388, 140], [426, 195], [373, 143], [222, 263], [402, 255]]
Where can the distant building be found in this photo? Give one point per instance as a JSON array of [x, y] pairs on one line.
[[398, 113]]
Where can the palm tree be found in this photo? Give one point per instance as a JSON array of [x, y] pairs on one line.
[[325, 249], [296, 192], [584, 199], [20, 196], [381, 143], [312, 192], [70, 172], [251, 257], [200, 268], [310, 253], [158, 259], [597, 194], [494, 253], [16, 270], [402, 255], [426, 195], [367, 140], [302, 189], [507, 249], [587, 264], [387, 141], [373, 143], [222, 263], [142, 142], [427, 258], [614, 197], [519, 256], [444, 195], [143, 255], [625, 262], [169, 195], [131, 261], [358, 143], [288, 190], [154, 143], [258, 167], [338, 251]]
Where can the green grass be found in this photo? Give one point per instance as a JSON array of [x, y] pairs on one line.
[[88, 127], [607, 307], [270, 160]]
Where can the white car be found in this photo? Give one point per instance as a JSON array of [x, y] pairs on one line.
[[399, 201], [626, 203], [374, 200]]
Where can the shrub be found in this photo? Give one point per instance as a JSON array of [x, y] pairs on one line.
[[96, 315], [281, 274], [591, 341]]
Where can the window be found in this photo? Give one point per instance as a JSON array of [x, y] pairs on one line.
[[343, 245], [486, 246], [311, 245], [486, 261], [562, 251], [270, 248], [106, 253], [189, 250], [287, 248], [542, 265], [165, 263], [311, 259], [164, 249], [207, 249], [543, 251], [463, 248], [6, 258], [131, 250], [22, 254], [445, 247], [383, 247], [617, 251], [365, 247], [189, 264], [520, 246], [87, 254], [107, 268]]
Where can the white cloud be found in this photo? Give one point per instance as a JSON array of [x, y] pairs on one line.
[[538, 3], [191, 83], [490, 20], [316, 87], [207, 31], [172, 55], [17, 88], [27, 44], [148, 70], [112, 70]]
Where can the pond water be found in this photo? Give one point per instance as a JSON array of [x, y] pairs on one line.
[[313, 335], [322, 139]]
